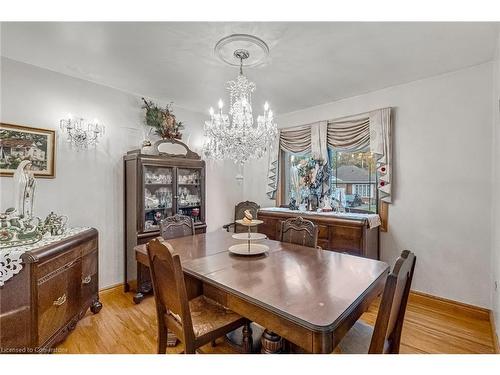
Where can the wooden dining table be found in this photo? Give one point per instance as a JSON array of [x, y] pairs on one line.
[[308, 296]]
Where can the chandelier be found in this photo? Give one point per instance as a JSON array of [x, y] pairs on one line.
[[236, 135], [81, 133]]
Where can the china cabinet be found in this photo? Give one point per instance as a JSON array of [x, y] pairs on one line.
[[159, 183]]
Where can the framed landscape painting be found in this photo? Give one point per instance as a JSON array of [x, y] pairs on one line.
[[18, 143]]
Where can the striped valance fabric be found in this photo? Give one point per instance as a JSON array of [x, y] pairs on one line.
[[349, 135]]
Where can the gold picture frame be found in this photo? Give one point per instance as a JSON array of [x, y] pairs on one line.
[[18, 142]]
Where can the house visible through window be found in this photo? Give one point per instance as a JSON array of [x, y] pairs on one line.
[[352, 179], [363, 190]]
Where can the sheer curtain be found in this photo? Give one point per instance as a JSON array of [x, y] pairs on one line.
[[367, 130]]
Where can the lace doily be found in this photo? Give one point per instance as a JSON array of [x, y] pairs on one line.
[[10, 258]]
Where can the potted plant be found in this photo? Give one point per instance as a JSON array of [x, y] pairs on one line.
[[162, 120]]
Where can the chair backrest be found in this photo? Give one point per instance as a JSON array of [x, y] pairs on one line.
[[299, 231], [176, 226], [239, 213], [170, 289], [387, 332]]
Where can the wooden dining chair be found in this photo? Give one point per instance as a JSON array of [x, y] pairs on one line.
[[176, 226], [239, 213], [195, 322], [385, 337], [299, 231]]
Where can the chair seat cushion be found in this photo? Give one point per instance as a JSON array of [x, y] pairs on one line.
[[207, 315], [357, 340]]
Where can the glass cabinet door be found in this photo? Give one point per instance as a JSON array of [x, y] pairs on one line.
[[158, 195], [189, 193]]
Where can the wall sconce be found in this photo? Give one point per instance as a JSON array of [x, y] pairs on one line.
[[82, 133]]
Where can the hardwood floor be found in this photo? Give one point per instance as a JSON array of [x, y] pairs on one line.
[[431, 326]]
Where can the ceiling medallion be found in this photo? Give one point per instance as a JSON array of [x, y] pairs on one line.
[[258, 51], [235, 135]]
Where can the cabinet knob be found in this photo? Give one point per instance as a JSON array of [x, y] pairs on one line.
[[87, 280], [60, 301]]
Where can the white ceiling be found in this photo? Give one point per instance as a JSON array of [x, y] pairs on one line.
[[310, 63]]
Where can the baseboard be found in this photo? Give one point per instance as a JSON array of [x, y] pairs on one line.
[[111, 288], [472, 310], [132, 285], [494, 332]]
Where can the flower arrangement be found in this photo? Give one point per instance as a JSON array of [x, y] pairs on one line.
[[162, 120], [306, 171]]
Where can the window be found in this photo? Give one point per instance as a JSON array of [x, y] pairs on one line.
[[352, 181], [295, 185]]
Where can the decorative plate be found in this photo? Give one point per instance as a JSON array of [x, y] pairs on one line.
[[249, 236], [246, 249], [252, 224]]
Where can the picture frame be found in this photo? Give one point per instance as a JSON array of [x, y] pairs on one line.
[[18, 142]]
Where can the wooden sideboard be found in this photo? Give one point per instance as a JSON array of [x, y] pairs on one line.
[[336, 233], [42, 303]]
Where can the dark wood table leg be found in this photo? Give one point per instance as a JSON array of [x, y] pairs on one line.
[[247, 341], [271, 343]]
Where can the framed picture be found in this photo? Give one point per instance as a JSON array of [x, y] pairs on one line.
[[18, 143]]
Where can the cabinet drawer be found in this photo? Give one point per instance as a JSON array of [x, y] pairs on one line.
[[58, 299], [46, 268], [66, 257], [89, 276], [323, 232], [269, 228], [87, 247], [89, 264], [349, 238]]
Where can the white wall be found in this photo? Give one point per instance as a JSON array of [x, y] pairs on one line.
[[495, 258], [89, 185], [442, 177]]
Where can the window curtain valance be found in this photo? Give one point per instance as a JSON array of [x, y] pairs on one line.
[[349, 135], [371, 130], [306, 138], [296, 139]]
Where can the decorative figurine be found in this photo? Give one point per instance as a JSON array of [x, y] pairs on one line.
[[24, 189], [326, 204], [54, 224]]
